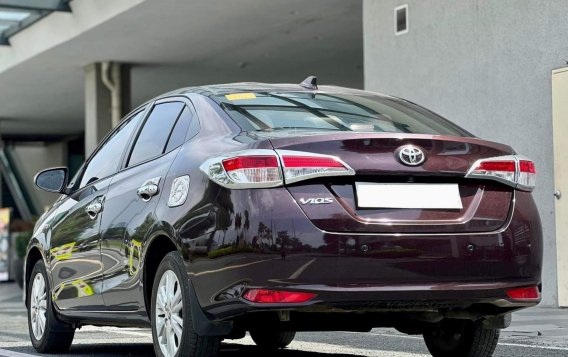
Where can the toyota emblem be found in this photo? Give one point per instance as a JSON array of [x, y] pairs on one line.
[[411, 155]]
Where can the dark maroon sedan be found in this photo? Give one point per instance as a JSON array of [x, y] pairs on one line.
[[213, 211]]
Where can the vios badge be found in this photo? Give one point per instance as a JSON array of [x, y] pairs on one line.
[[411, 155], [316, 200]]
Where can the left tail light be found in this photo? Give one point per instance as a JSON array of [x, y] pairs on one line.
[[245, 169], [513, 170], [271, 168]]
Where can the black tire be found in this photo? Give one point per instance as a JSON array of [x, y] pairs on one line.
[[272, 339], [57, 336], [190, 344], [461, 338]]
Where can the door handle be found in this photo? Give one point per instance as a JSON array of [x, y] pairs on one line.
[[95, 207], [149, 189], [557, 194]]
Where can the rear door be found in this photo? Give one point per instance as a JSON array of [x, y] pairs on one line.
[[74, 257], [131, 201]]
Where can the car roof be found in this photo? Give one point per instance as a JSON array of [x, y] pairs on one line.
[[255, 87]]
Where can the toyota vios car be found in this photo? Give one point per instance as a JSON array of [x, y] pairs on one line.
[[214, 211]]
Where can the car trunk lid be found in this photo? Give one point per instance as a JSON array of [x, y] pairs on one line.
[[332, 203]]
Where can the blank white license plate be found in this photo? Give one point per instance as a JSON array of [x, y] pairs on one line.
[[408, 195]]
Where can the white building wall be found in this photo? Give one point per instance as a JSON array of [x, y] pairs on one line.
[[484, 64]]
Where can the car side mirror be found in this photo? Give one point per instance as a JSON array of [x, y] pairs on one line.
[[53, 180]]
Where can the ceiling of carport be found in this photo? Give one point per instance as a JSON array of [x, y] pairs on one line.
[[175, 43]]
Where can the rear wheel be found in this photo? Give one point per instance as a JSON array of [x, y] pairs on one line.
[[47, 333], [461, 338], [172, 326], [272, 339]]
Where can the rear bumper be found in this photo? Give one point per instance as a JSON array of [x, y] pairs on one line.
[[374, 273], [476, 299]]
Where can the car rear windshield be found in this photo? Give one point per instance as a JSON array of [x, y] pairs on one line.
[[320, 112]]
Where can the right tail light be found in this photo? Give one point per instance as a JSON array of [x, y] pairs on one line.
[[513, 170]]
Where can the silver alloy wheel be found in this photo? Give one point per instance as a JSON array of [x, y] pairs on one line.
[[169, 314], [38, 306]]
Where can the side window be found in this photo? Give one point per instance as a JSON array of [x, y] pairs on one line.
[[152, 138], [106, 159], [177, 136]]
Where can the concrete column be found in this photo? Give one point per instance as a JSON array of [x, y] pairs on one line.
[[107, 99]]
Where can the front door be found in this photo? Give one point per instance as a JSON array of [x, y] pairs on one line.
[[74, 256], [75, 252], [560, 130]]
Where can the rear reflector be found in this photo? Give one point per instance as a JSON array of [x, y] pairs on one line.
[[263, 296], [527, 293], [512, 170]]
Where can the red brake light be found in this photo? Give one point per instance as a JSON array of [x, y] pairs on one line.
[[507, 166], [250, 162], [263, 296], [527, 293], [309, 161], [527, 166]]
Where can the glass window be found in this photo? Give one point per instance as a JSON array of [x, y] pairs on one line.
[[106, 160], [401, 20], [153, 137], [177, 136], [323, 112]]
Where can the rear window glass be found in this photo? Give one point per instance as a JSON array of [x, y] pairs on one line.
[[301, 111], [153, 137]]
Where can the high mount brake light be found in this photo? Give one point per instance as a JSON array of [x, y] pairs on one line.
[[512, 170], [271, 168]]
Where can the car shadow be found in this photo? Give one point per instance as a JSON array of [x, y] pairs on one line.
[[147, 350], [234, 350]]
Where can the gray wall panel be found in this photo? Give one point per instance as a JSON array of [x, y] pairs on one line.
[[484, 64]]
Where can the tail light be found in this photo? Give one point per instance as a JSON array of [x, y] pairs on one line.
[[298, 166], [263, 296], [526, 293], [245, 169], [513, 170], [268, 168]]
